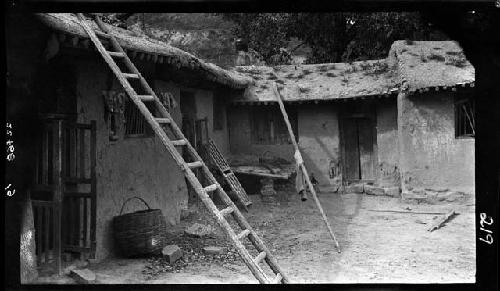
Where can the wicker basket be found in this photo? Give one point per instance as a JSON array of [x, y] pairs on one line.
[[139, 233]]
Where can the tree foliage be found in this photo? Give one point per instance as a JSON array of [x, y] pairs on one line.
[[332, 37]]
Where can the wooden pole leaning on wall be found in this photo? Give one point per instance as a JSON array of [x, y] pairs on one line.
[[302, 166]]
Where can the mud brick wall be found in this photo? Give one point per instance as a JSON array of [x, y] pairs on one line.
[[319, 142], [387, 165], [430, 155], [127, 167]]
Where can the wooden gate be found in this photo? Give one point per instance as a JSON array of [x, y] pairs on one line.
[[79, 195], [63, 194]]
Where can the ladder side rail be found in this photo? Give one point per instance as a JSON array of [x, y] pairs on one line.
[[210, 177], [225, 225], [257, 241], [301, 165], [130, 65], [256, 270], [140, 105]]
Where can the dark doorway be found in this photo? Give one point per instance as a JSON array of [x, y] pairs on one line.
[[188, 111], [358, 149]]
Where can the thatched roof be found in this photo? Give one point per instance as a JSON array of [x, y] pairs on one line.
[[320, 82], [413, 66], [147, 48], [432, 64]]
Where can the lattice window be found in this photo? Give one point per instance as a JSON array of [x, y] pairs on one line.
[[268, 126], [135, 123], [464, 118]]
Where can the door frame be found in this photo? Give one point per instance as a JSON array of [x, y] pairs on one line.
[[53, 207], [369, 114]]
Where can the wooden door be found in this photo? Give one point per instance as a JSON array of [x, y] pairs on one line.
[[358, 149], [351, 149], [365, 142], [79, 196]]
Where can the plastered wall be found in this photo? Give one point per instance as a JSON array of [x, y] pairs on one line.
[[319, 142], [387, 166], [240, 137], [430, 155], [127, 167]]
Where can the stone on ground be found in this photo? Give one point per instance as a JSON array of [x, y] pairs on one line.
[[391, 191], [83, 276], [199, 230], [354, 188], [172, 253], [373, 190], [213, 250], [187, 213]]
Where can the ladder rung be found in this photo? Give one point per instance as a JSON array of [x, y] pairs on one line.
[[227, 210], [163, 120], [130, 76], [277, 279], [259, 258], [210, 188], [196, 164], [116, 54], [243, 234], [179, 142], [146, 97], [102, 34]]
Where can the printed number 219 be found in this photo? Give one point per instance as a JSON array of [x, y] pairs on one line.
[[488, 221]]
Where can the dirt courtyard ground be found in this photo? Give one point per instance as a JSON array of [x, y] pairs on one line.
[[377, 247]]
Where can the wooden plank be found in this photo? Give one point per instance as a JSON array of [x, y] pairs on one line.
[[260, 257], [406, 212], [440, 221], [245, 233], [58, 196], [82, 153], [85, 223], [81, 223], [46, 228], [45, 156], [93, 187], [351, 149], [195, 164], [71, 208], [78, 195], [302, 167], [37, 162], [78, 180], [226, 211], [75, 248], [38, 233], [73, 152], [365, 138], [277, 279]]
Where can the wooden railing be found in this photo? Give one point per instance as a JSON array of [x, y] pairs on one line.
[[78, 212], [64, 190], [45, 215], [77, 222]]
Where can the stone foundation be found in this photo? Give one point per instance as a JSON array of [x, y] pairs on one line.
[[369, 189]]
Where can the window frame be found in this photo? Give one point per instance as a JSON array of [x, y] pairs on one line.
[[147, 130], [461, 118], [275, 125]]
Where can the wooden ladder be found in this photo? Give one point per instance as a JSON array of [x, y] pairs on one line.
[[171, 137], [228, 174]]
